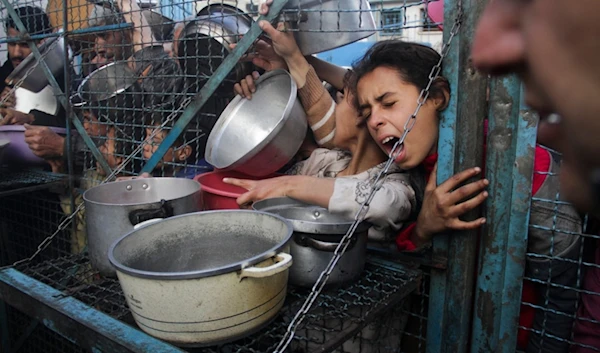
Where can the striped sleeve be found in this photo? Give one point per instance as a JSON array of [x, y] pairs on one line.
[[320, 109]]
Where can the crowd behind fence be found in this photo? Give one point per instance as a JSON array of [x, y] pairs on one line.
[[130, 69]]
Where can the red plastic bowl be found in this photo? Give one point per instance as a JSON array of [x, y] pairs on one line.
[[216, 195]]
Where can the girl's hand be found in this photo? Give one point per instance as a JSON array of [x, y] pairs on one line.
[[263, 8], [260, 189], [263, 55], [444, 204], [246, 86], [283, 43]]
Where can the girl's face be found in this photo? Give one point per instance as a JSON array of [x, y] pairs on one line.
[[387, 102], [346, 120]]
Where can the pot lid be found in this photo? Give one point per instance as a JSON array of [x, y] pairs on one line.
[[201, 244], [306, 218], [246, 126]]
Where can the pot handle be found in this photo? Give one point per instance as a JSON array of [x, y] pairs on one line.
[[138, 216], [150, 221], [283, 262], [322, 245]]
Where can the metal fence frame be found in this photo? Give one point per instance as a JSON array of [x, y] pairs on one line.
[[480, 317]]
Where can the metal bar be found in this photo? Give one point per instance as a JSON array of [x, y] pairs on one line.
[[502, 253], [27, 189], [25, 335], [356, 325], [87, 327], [517, 234], [56, 87], [211, 86], [4, 331], [460, 147], [88, 30]]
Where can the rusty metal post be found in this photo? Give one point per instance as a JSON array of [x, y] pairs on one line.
[[511, 144], [460, 147]]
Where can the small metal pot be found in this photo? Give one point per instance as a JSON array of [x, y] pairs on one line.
[[259, 136], [317, 234], [114, 87], [205, 278], [53, 53], [113, 209], [327, 24]]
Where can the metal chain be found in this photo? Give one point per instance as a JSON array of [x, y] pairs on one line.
[[360, 215], [29, 71], [67, 221]]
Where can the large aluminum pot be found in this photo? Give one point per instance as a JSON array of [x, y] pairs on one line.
[[327, 24], [114, 87], [113, 209], [259, 136], [32, 74], [317, 234], [205, 278]]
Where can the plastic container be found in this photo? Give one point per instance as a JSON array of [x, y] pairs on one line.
[[17, 151], [216, 195]]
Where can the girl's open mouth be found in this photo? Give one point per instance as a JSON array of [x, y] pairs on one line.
[[388, 143]]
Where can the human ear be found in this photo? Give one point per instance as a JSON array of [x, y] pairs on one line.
[[440, 93], [184, 153]]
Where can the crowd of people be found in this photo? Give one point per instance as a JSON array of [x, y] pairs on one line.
[[354, 128]]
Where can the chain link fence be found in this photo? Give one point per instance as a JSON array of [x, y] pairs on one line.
[[128, 72]]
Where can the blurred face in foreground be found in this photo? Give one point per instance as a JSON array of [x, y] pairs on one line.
[[553, 46]]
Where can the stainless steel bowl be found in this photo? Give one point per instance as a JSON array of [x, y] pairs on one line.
[[114, 87], [317, 234], [259, 136], [327, 24]]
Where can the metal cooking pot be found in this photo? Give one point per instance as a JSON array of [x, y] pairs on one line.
[[327, 24], [114, 87], [205, 43], [317, 234], [205, 278], [113, 209], [259, 136], [53, 53]]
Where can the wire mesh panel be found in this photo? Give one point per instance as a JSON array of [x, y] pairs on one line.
[[554, 312], [27, 219], [130, 70], [376, 299], [31, 336]]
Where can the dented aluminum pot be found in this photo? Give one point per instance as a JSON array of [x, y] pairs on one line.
[[258, 137], [317, 234], [328, 24]]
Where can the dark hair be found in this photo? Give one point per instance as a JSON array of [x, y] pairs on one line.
[[188, 134], [163, 86], [34, 19], [411, 60]]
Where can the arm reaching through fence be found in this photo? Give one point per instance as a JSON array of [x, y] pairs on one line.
[[142, 33]]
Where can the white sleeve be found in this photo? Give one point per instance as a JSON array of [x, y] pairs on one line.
[[391, 206]]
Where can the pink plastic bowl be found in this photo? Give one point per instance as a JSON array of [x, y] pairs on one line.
[[17, 151], [216, 195]]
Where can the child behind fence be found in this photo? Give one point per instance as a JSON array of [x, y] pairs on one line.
[[181, 160]]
